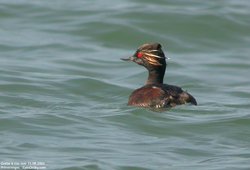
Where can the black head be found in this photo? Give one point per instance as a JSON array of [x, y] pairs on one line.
[[150, 56]]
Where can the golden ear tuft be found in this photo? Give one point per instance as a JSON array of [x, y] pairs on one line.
[[153, 55], [152, 60]]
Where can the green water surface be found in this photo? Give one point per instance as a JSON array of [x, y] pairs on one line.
[[64, 89]]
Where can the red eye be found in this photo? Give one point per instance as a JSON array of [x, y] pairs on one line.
[[139, 55]]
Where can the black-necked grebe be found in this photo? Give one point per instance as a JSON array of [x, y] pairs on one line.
[[155, 94]]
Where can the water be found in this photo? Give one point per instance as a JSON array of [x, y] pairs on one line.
[[64, 89]]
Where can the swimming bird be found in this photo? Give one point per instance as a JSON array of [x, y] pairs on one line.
[[155, 94]]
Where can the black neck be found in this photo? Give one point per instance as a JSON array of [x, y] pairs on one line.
[[156, 75]]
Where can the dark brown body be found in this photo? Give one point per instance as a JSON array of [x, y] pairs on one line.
[[160, 96]]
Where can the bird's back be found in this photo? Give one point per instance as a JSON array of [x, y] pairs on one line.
[[160, 96]]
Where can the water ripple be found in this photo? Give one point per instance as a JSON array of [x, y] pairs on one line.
[[64, 89]]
